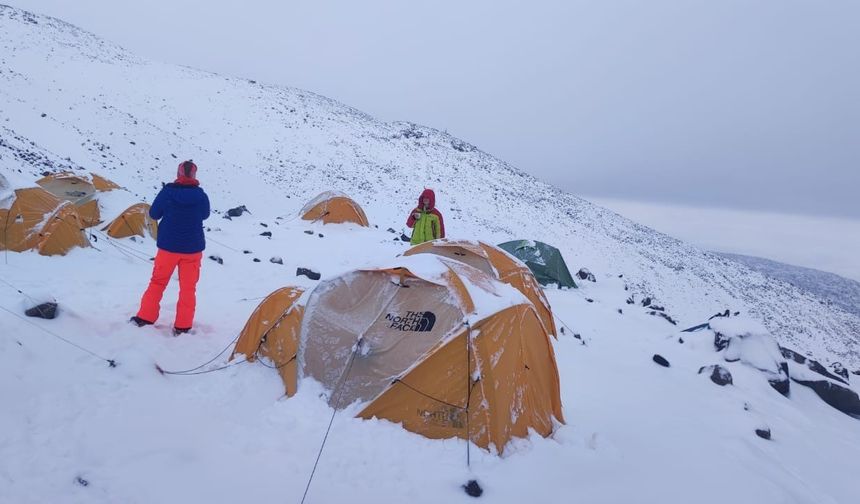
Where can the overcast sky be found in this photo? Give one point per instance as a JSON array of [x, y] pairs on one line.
[[729, 103]]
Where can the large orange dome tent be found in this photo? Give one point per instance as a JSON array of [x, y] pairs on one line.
[[429, 343], [38, 220]]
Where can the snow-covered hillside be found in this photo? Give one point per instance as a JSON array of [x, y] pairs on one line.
[[76, 430], [835, 289]]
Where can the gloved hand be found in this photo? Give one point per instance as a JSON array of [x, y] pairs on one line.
[[416, 215]]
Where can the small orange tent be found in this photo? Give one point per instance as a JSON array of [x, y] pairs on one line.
[[38, 220], [134, 221], [332, 207], [497, 263]]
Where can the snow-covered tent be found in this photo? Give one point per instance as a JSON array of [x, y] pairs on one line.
[[133, 221], [545, 261], [497, 263], [334, 207], [38, 220], [433, 344], [80, 190]]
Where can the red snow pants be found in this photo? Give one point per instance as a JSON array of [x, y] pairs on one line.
[[162, 270]]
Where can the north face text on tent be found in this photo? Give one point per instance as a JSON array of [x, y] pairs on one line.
[[412, 321]]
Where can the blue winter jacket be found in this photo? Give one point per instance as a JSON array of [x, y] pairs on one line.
[[182, 210]]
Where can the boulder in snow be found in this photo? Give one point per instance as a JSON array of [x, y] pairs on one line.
[[267, 234], [44, 310], [584, 274], [842, 398], [659, 359], [718, 374], [313, 275], [763, 432], [236, 212], [276, 260], [746, 340], [217, 259], [812, 365]]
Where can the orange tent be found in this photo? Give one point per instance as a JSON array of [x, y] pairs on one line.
[[134, 221], [497, 263], [38, 220], [272, 332], [77, 189], [103, 184], [435, 345], [332, 207]]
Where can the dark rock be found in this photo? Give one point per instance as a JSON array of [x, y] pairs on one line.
[[264, 224], [81, 481], [791, 354], [841, 398], [256, 259], [236, 212], [646, 301], [577, 336], [840, 370], [657, 308], [780, 382], [584, 274], [681, 340], [313, 275], [763, 433], [664, 316], [473, 489], [814, 365], [630, 300], [246, 252], [856, 372], [659, 359], [321, 235], [44, 310], [589, 300], [724, 314], [405, 238], [721, 341], [267, 234], [309, 232], [217, 259], [44, 115], [561, 329], [719, 375], [276, 260], [619, 311], [391, 230]]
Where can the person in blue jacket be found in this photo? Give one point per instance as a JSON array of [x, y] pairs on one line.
[[181, 207]]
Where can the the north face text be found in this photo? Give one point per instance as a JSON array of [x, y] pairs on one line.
[[418, 321]]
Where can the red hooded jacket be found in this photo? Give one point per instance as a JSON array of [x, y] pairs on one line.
[[427, 193]]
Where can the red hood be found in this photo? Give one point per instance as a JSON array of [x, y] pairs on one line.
[[428, 193]]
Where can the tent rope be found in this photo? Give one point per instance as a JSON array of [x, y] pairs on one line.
[[339, 392], [111, 362], [468, 392]]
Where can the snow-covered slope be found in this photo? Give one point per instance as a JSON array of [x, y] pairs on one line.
[[71, 101], [832, 288]]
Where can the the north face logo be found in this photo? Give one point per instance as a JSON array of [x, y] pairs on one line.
[[420, 321]]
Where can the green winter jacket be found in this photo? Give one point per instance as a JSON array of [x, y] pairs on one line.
[[426, 228]]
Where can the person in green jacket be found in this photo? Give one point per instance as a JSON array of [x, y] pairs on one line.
[[425, 220]]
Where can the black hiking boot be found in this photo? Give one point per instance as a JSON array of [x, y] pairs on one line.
[[180, 330], [139, 322]]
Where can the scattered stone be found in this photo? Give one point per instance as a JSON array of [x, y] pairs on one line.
[[763, 433], [665, 316], [246, 252], [44, 310], [81, 481], [276, 260], [217, 259], [391, 230], [719, 375], [841, 398], [681, 340], [256, 259], [44, 115], [321, 235], [584, 274], [813, 365], [589, 300], [473, 489], [236, 212], [577, 336], [724, 314], [405, 238], [619, 311], [646, 302], [630, 300], [840, 370], [313, 275], [309, 232], [561, 329], [659, 359], [264, 224], [267, 234]]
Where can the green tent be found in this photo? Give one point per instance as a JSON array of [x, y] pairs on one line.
[[544, 260]]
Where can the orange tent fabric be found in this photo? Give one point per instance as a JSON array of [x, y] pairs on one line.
[[497, 263], [272, 332], [332, 207], [133, 221], [103, 184], [39, 220], [76, 189], [437, 346]]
